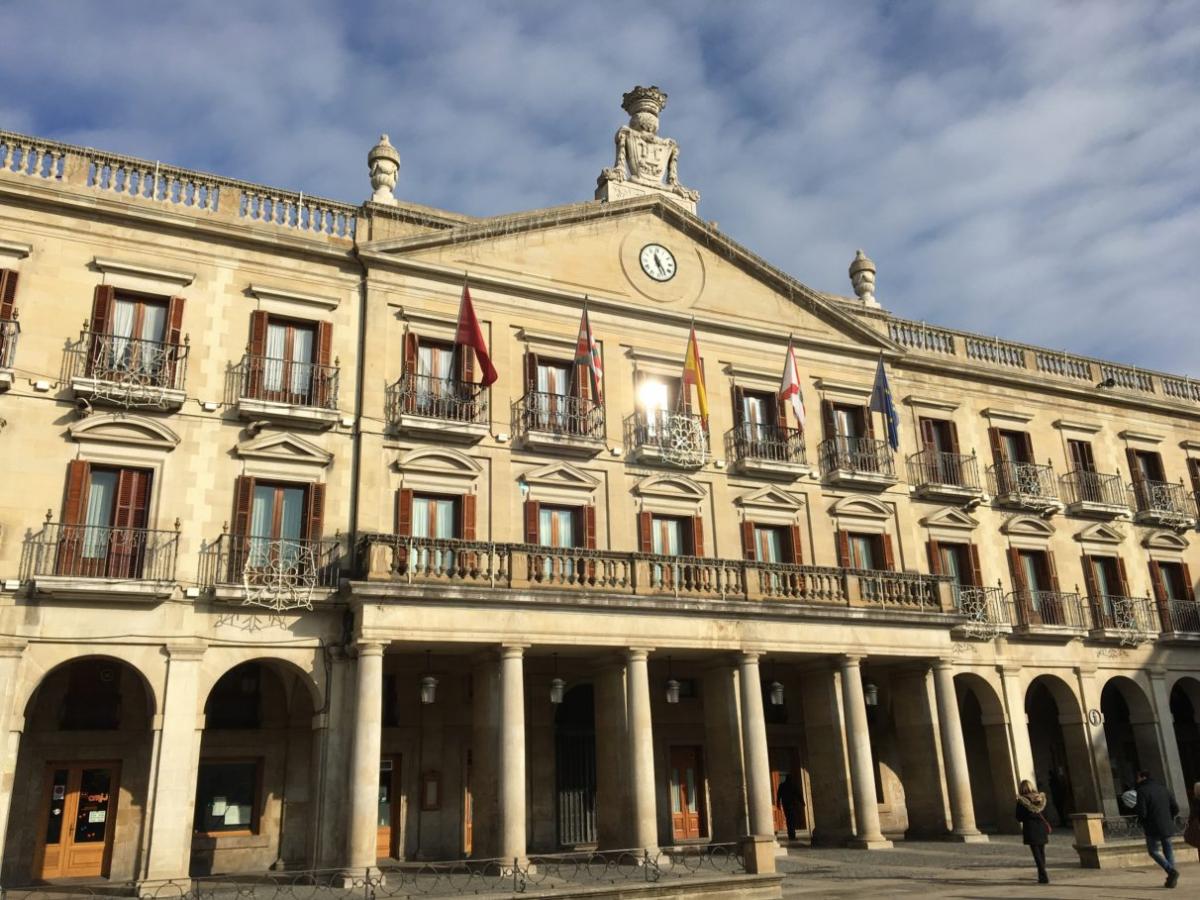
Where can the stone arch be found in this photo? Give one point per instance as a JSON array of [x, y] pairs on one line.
[[1058, 738], [216, 665], [1130, 733], [1185, 711], [41, 661], [989, 753]]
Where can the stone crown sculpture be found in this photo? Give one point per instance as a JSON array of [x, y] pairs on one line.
[[383, 162], [643, 158]]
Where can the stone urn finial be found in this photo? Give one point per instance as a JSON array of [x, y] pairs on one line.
[[862, 277], [383, 162]]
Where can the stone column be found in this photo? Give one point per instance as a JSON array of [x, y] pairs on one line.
[[612, 747], [10, 729], [831, 804], [868, 835], [1089, 765], [1018, 722], [512, 753], [641, 751], [364, 760], [1160, 697], [916, 745], [170, 839], [723, 754], [954, 755], [760, 844]]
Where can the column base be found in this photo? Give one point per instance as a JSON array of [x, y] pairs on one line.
[[879, 843], [758, 851], [968, 837]]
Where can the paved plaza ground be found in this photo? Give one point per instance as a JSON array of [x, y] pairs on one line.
[[1000, 868]]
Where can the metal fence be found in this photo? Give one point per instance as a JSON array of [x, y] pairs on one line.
[[10, 330], [252, 560], [1163, 499], [865, 455], [447, 399], [1082, 486], [1056, 608], [294, 382], [560, 414], [1023, 479], [101, 551], [937, 467], [129, 361], [767, 443]]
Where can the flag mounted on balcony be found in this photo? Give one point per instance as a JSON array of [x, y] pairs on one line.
[[789, 386], [694, 374], [587, 353], [469, 336], [881, 402]]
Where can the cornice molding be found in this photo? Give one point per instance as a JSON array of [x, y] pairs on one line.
[[1084, 427], [107, 265], [1006, 415], [1145, 437], [15, 249], [287, 295], [931, 403]]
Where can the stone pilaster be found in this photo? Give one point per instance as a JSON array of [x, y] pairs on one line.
[[954, 755], [1160, 698], [1018, 723], [11, 653], [641, 751], [723, 754], [868, 834]]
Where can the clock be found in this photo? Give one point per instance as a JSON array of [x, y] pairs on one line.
[[657, 262]]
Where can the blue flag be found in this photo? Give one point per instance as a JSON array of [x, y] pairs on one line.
[[881, 402]]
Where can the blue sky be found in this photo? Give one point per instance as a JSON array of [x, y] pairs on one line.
[[1026, 168]]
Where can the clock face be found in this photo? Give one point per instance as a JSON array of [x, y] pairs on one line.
[[657, 262]]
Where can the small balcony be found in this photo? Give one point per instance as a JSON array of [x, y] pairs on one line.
[[1094, 494], [282, 573], [114, 370], [290, 392], [768, 451], [1124, 619], [559, 423], [949, 477], [1022, 485], [98, 562], [1049, 614], [10, 330], [1180, 620], [1163, 503], [443, 409], [987, 611], [857, 462], [668, 438]]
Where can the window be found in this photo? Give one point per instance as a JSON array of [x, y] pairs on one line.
[[941, 461], [1012, 451], [1171, 581], [771, 543], [1146, 465], [666, 536], [289, 360], [956, 561], [276, 521], [557, 527], [1081, 456], [847, 421], [657, 398], [550, 388], [865, 551], [435, 516], [1015, 446], [287, 367], [227, 796], [1106, 580], [939, 435], [104, 517], [133, 333]]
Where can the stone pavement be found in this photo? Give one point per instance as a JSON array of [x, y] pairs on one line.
[[1001, 868]]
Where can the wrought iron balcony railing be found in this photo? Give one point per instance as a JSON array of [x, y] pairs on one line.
[[935, 467], [1130, 614], [1163, 500], [1023, 480], [856, 455], [1053, 608], [558, 414], [678, 438], [765, 443], [1082, 486], [286, 381], [1182, 616], [446, 399], [103, 552], [131, 363], [264, 562], [10, 330], [984, 607]]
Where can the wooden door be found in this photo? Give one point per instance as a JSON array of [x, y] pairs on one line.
[[468, 819], [79, 805], [784, 762], [388, 833], [687, 794]]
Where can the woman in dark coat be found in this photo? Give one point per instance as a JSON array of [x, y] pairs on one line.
[[1031, 804]]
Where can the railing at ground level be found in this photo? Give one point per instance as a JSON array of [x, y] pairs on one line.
[[101, 551], [266, 562], [860, 456], [444, 399], [558, 414], [765, 443]]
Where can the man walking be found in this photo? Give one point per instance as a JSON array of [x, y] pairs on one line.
[[1156, 809], [789, 800]]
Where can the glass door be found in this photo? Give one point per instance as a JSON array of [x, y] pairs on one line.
[[77, 814], [687, 786]]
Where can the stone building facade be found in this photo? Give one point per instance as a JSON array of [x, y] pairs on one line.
[[282, 587]]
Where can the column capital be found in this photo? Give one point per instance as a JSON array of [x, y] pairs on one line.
[[850, 660], [185, 650], [1156, 672], [941, 664], [1010, 669], [10, 647], [369, 648], [513, 651], [749, 656], [638, 654], [1087, 669]]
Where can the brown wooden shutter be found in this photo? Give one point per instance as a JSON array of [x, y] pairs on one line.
[[868, 422], [935, 557], [781, 411], [102, 308], [749, 549], [531, 367], [828, 422], [1123, 577], [997, 445], [953, 429], [928, 439], [1187, 582], [174, 333], [466, 364], [410, 353], [1089, 577], [315, 517], [739, 398], [1193, 473], [258, 333], [1053, 570], [796, 545], [589, 527], [8, 293], [533, 511], [1027, 441], [1017, 570], [133, 499], [697, 536], [75, 500], [404, 512], [976, 569], [322, 376], [843, 548], [889, 555], [1135, 471], [324, 356], [468, 517], [243, 502], [1156, 582], [645, 526]]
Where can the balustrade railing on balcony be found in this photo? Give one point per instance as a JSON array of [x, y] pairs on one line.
[[1083, 486], [934, 467], [1023, 479], [1130, 614], [10, 330], [130, 362], [258, 561], [1055, 608], [287, 381], [100, 551], [765, 443], [447, 399], [801, 584], [856, 455], [1183, 616], [904, 589], [678, 436], [1163, 500], [560, 414]]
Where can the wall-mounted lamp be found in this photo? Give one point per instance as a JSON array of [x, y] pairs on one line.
[[672, 685], [775, 692], [428, 684], [558, 687], [870, 694]]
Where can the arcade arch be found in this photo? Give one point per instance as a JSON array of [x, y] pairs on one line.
[[1061, 757], [989, 756]]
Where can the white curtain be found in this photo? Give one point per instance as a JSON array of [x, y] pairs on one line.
[[273, 365], [444, 525], [262, 511], [101, 494], [122, 330], [302, 359]]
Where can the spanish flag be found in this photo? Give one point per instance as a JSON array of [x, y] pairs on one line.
[[694, 374]]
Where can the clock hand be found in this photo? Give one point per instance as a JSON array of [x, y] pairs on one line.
[[658, 262]]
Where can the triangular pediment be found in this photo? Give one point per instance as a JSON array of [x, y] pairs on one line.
[[444, 461], [284, 448], [950, 517], [770, 498], [860, 508], [1027, 526], [1100, 533], [1165, 540], [561, 475], [595, 249], [117, 428]]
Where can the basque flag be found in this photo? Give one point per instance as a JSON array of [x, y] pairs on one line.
[[881, 402], [470, 336], [587, 353]]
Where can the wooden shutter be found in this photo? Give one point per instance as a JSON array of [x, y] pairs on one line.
[[935, 557], [1193, 472], [410, 353], [589, 527], [1157, 583], [749, 548], [314, 520], [697, 536], [1089, 577], [1135, 471], [466, 364], [889, 555], [795, 545], [1053, 570], [1018, 572], [868, 422], [645, 538], [1027, 442], [952, 429], [828, 422], [843, 548], [404, 512], [468, 506], [1123, 577], [75, 501], [102, 308], [533, 511], [8, 293], [133, 499], [531, 367], [243, 502], [324, 341], [928, 438], [1187, 582], [174, 333], [781, 411], [997, 445], [258, 333], [976, 569], [739, 398], [323, 375]]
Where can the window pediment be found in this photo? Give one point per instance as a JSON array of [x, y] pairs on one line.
[[950, 517], [284, 448], [771, 498], [136, 431], [439, 461], [671, 493], [1028, 527], [1165, 540], [860, 508], [1100, 533], [560, 483]]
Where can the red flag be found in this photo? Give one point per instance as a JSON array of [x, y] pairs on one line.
[[470, 336]]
